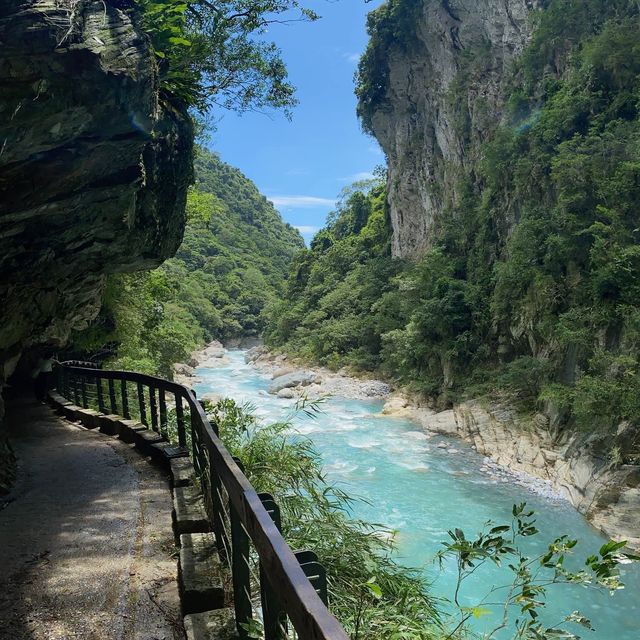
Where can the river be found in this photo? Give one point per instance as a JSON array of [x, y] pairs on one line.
[[421, 487]]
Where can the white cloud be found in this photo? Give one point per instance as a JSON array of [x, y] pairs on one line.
[[353, 58], [306, 230], [301, 202], [375, 150]]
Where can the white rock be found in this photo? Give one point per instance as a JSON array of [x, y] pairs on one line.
[[395, 405], [282, 371]]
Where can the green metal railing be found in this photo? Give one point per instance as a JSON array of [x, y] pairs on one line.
[[270, 582]]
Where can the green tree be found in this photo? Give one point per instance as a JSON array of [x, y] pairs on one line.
[[215, 51]]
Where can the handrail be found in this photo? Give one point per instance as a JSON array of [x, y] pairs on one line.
[[287, 591]]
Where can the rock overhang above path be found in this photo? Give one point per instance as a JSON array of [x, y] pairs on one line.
[[94, 168]]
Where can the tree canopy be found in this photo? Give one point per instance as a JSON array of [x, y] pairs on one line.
[[218, 52], [232, 263]]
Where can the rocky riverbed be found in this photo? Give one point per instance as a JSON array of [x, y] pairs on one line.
[[528, 454]]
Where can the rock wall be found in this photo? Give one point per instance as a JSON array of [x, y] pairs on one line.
[[606, 491], [427, 131], [94, 164]]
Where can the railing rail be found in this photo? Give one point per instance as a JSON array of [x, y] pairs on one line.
[[289, 585]]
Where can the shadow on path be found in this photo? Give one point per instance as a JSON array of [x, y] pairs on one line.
[[85, 539]]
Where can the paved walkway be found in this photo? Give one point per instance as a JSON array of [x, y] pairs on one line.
[[86, 548]]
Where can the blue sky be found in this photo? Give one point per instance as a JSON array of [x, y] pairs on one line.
[[302, 165]]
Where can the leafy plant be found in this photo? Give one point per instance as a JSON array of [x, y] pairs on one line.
[[215, 51], [232, 263], [371, 595], [532, 576]]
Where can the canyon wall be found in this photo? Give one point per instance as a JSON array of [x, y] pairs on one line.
[[441, 86], [577, 466], [426, 129], [94, 165]]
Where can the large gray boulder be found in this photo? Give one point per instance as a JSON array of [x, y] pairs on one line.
[[290, 380]]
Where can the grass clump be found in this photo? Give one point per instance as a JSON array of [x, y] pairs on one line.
[[371, 595]]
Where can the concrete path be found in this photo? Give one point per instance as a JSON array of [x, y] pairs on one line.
[[86, 547]]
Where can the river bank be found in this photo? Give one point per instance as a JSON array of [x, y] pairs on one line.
[[526, 452]]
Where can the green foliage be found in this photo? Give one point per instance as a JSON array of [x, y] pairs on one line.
[[215, 51], [232, 262], [369, 593], [142, 322], [531, 576], [530, 290], [327, 311], [390, 25]]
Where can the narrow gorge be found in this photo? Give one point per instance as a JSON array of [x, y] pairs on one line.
[[466, 77], [494, 273], [335, 306]]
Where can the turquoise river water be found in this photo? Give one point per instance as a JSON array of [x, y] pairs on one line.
[[421, 490]]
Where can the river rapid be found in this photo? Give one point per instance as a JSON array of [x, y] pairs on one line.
[[422, 486]]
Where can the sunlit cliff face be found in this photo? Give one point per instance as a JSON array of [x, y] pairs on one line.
[[443, 96]]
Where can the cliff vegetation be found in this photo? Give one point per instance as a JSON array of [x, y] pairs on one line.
[[528, 289], [233, 261]]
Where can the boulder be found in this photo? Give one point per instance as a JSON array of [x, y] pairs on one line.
[[282, 371], [295, 379], [395, 405], [286, 393], [213, 350], [254, 353], [443, 422], [184, 369]]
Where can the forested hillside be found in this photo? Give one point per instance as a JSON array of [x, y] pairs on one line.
[[528, 289], [232, 262], [335, 309]]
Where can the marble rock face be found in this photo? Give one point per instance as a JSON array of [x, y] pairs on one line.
[[418, 120], [94, 164], [575, 465]]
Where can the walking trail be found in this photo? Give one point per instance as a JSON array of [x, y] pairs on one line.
[[85, 537]]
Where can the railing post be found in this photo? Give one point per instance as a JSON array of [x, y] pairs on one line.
[[153, 410], [240, 572], [76, 391], [112, 396], [222, 540], [273, 614], [101, 405], [314, 571], [182, 436], [126, 414], [163, 412], [83, 390], [195, 443], [143, 411]]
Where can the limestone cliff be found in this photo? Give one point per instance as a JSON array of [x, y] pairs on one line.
[[426, 130], [477, 105], [94, 164]]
